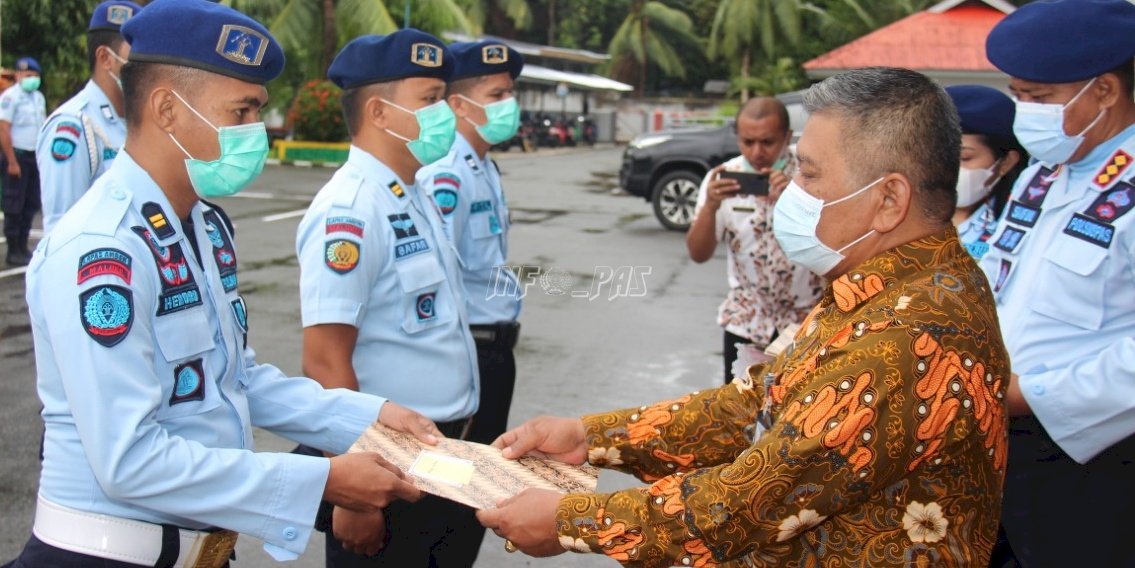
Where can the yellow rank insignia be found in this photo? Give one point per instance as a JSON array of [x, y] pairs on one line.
[[425, 54], [1113, 168], [397, 190], [242, 45], [494, 54]]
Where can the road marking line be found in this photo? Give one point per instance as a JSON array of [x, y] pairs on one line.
[[13, 271], [255, 195], [282, 216]]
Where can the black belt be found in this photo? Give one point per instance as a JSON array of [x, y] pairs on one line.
[[502, 333], [20, 152]]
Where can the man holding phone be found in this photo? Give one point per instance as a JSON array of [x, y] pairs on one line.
[[735, 203]]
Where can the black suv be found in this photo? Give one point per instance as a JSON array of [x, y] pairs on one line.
[[667, 167]]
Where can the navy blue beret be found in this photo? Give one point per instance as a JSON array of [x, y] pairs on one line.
[[477, 58], [28, 64], [377, 59], [110, 15], [1063, 41], [204, 35], [984, 110]]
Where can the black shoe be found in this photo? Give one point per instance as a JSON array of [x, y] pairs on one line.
[[16, 258]]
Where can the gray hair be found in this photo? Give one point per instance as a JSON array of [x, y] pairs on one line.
[[896, 120]]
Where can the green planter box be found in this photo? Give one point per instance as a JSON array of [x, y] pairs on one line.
[[300, 151]]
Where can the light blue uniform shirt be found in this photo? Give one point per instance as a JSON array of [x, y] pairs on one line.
[[25, 112], [76, 146], [974, 232], [1064, 281], [149, 391], [373, 255], [468, 193]]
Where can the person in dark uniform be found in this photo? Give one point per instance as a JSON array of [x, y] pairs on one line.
[[22, 112]]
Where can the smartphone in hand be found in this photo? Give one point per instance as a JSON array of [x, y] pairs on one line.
[[751, 184]]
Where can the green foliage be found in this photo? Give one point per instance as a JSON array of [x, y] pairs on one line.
[[652, 36], [781, 76], [743, 26], [316, 114], [53, 32]]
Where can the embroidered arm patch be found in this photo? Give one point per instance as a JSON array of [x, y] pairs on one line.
[[107, 313]]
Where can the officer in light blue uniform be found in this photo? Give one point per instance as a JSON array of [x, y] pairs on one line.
[[466, 185], [1062, 265], [22, 112], [149, 388], [81, 138], [383, 307]]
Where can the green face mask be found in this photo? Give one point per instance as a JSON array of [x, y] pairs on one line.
[[30, 84], [244, 149], [503, 119], [437, 127]]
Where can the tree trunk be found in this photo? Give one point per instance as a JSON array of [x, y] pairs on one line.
[[745, 62], [551, 22], [330, 35], [645, 54]]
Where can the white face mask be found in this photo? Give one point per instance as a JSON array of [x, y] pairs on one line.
[[117, 79], [794, 223], [976, 184], [1039, 127]]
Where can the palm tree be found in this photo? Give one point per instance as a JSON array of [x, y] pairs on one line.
[[314, 30], [518, 11], [652, 34], [741, 27], [845, 20]]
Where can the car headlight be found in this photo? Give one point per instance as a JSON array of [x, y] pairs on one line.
[[648, 141]]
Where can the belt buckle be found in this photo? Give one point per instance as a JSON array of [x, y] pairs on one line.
[[216, 549]]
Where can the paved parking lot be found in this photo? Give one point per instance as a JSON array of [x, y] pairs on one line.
[[615, 315]]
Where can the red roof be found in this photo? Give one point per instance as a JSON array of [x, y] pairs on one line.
[[953, 40]]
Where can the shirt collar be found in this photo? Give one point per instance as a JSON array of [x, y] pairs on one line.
[[149, 199], [875, 275], [379, 173], [98, 99], [464, 151], [1103, 152]]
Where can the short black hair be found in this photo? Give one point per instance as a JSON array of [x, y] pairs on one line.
[[758, 108], [139, 79], [1001, 146], [98, 38], [353, 100], [896, 120]]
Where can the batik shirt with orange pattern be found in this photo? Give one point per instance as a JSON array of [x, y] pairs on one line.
[[881, 439]]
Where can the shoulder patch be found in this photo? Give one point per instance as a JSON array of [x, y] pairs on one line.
[[446, 200], [472, 163], [344, 224], [62, 149], [67, 128], [104, 261], [157, 220], [447, 179], [188, 382], [106, 313], [396, 189], [107, 113], [341, 255], [403, 226]]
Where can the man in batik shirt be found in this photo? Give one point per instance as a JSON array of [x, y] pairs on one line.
[[878, 438], [767, 293]]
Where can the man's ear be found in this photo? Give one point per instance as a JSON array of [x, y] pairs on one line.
[[161, 106], [897, 198], [458, 104], [376, 112], [1108, 88]]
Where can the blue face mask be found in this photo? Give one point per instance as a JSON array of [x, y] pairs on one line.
[[795, 220], [1039, 128]]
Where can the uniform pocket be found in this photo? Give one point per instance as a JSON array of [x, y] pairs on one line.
[[185, 340], [421, 278], [1073, 283]]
